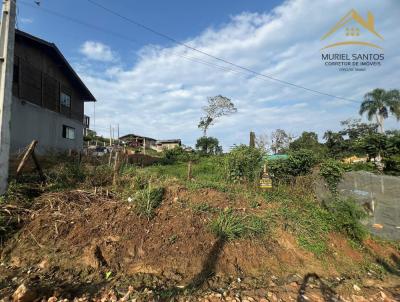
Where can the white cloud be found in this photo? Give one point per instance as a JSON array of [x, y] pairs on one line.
[[162, 94], [26, 20], [98, 51]]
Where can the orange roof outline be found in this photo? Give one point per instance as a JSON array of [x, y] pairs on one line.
[[368, 24]]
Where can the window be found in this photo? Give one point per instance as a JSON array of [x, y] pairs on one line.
[[65, 100], [68, 132]]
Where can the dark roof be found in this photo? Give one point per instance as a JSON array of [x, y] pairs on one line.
[[169, 141], [134, 136], [53, 50]]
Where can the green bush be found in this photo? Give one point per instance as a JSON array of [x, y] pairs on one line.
[[298, 163], [332, 171], [177, 154], [243, 164], [346, 218]]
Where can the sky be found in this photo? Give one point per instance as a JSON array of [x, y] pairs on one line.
[[153, 87]]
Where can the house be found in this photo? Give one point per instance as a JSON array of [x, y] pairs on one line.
[[138, 141], [167, 144], [48, 98]]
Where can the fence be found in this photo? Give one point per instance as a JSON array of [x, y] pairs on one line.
[[379, 195]]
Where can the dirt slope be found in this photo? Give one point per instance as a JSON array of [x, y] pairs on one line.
[[78, 238]]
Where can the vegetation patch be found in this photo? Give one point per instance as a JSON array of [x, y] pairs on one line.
[[244, 164], [147, 200], [332, 171], [231, 226]]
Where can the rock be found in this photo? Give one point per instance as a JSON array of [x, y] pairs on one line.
[[356, 287], [24, 294], [44, 264]]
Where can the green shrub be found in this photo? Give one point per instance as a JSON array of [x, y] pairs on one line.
[[177, 154], [100, 176], [147, 200], [346, 218], [298, 163], [332, 171], [244, 164], [66, 175]]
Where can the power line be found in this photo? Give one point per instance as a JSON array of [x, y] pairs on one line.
[[126, 38], [243, 70], [212, 56]]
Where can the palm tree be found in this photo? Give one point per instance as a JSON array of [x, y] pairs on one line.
[[379, 103]]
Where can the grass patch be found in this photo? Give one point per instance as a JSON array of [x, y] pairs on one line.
[[231, 226], [203, 208], [147, 200], [312, 221]]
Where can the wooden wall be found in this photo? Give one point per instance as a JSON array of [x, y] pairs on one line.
[[40, 79]]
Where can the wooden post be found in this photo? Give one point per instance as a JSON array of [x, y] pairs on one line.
[[189, 173], [109, 158], [115, 168], [25, 157], [31, 152]]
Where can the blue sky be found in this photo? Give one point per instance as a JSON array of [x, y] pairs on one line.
[[152, 87]]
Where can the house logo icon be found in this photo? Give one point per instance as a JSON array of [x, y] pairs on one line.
[[353, 31]]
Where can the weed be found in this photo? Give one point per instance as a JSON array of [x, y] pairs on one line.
[[203, 208], [232, 226], [346, 218], [228, 225], [172, 239], [255, 226], [147, 200]]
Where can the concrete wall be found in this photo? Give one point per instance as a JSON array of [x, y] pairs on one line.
[[32, 122]]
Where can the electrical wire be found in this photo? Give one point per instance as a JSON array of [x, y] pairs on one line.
[[243, 70], [145, 27]]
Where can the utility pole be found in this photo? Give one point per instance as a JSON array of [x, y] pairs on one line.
[[118, 133], [110, 135], [7, 38]]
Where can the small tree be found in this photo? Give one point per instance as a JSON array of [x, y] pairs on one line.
[[262, 142], [208, 145], [217, 106]]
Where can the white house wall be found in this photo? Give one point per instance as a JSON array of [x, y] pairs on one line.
[[31, 122]]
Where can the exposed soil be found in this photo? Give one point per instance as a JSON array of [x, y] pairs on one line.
[[77, 244]]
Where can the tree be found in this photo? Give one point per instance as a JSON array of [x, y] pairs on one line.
[[372, 144], [208, 145], [262, 142], [217, 106], [335, 143], [354, 129], [379, 103], [280, 141]]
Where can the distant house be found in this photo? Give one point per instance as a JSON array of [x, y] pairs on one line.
[[138, 141], [167, 144], [48, 98]]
